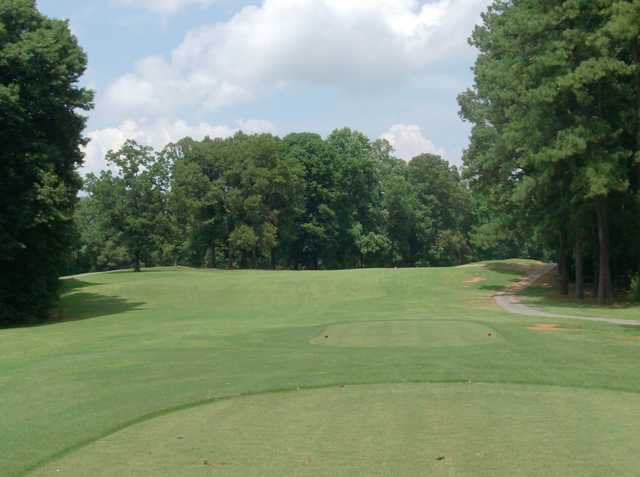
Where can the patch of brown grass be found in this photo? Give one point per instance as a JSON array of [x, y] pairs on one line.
[[548, 328], [632, 341]]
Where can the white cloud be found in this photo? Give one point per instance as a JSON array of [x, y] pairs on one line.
[[342, 43], [163, 7], [158, 134], [408, 141]]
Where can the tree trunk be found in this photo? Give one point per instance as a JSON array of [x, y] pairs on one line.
[[596, 258], [564, 264], [213, 256], [136, 263], [210, 257], [579, 266], [637, 149], [637, 64], [605, 286]]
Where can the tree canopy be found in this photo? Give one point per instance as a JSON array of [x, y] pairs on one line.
[[41, 134], [552, 169], [300, 202], [556, 116]]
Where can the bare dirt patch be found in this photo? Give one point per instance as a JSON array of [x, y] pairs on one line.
[[544, 279], [475, 281], [635, 340], [548, 328]]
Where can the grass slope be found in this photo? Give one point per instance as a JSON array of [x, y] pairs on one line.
[[142, 345], [545, 297]]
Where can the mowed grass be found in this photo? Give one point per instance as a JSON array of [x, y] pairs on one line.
[[141, 357], [378, 430]]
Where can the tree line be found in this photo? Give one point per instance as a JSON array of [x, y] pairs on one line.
[[555, 146], [41, 128], [552, 170], [259, 201]]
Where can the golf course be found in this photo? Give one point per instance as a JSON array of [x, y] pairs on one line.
[[319, 238], [378, 372]]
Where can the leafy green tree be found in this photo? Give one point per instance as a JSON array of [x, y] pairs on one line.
[[313, 241], [41, 134], [300, 202], [551, 109], [375, 249], [132, 202], [357, 189], [243, 242], [98, 249]]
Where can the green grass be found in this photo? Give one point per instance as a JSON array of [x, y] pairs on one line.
[[379, 430], [383, 334], [139, 346], [546, 298]]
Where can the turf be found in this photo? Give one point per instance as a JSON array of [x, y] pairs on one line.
[[136, 346], [547, 299], [379, 430], [382, 334]]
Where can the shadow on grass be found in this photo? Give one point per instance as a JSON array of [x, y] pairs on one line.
[[519, 269], [72, 284], [493, 288], [549, 296], [631, 330], [537, 292], [81, 305], [499, 288]]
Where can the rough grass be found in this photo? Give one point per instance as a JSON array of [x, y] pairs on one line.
[[135, 346], [545, 297]]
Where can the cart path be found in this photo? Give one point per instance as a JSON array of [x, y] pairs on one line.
[[510, 301]]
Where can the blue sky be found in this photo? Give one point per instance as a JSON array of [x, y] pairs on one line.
[[163, 69]]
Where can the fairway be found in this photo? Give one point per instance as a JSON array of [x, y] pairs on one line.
[[372, 372]]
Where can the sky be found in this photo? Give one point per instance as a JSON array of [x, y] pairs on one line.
[[166, 69]]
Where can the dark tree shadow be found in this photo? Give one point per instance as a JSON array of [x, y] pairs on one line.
[[498, 288], [548, 295], [510, 268], [80, 305], [76, 305], [536, 292], [634, 331], [72, 284]]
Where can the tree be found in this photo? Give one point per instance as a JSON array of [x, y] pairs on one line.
[[550, 109], [98, 247], [314, 239], [357, 189], [242, 244], [298, 202], [41, 136], [132, 203]]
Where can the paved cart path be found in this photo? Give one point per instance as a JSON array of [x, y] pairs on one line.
[[510, 301]]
